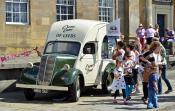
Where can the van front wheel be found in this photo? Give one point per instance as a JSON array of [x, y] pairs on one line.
[[74, 90], [29, 94]]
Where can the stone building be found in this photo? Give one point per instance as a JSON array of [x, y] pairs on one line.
[[25, 23], [134, 12]]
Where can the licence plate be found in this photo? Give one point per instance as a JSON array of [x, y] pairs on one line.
[[41, 90]]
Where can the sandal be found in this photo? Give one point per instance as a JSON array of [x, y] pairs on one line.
[[115, 101]]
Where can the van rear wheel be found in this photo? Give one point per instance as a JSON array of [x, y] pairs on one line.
[[29, 94], [74, 90], [106, 83]]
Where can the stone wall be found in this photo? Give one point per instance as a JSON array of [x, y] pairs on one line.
[[142, 12], [87, 9], [129, 14], [133, 17], [174, 13], [121, 15], [16, 38], [42, 13]]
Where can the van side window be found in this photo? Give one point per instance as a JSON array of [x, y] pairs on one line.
[[89, 48]]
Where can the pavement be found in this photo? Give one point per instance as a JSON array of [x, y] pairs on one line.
[[166, 101], [91, 100]]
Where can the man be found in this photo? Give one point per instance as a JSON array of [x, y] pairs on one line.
[[150, 32], [170, 33]]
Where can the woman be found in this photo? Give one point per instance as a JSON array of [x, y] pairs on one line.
[[147, 58]]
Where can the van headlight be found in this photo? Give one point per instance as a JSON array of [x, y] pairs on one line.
[[66, 67], [29, 65]]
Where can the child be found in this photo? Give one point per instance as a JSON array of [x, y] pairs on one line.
[[152, 87], [128, 65], [118, 81], [118, 52]]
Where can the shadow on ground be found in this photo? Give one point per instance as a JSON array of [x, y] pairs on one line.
[[58, 97], [167, 98], [18, 97]]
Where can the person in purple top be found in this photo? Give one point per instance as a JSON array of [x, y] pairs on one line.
[[170, 34], [141, 34]]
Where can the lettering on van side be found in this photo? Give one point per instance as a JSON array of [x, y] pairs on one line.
[[66, 35], [67, 28]]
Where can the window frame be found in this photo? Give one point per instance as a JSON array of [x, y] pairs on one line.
[[66, 13], [92, 46], [104, 48], [19, 22], [105, 9], [59, 42]]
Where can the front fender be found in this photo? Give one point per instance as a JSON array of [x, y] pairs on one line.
[[64, 78], [29, 75]]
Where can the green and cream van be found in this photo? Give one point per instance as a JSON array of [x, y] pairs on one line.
[[77, 54]]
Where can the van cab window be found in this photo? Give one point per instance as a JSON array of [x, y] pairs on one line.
[[89, 48], [62, 47]]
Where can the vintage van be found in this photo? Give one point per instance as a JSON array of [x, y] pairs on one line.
[[77, 53]]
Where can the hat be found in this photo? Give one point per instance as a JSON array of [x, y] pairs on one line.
[[140, 25], [150, 25]]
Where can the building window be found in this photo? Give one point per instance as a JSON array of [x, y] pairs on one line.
[[65, 9], [17, 11], [106, 10]]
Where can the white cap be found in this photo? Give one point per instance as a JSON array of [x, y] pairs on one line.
[[150, 25], [140, 25]]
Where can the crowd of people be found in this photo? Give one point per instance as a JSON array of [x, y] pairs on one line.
[[144, 59]]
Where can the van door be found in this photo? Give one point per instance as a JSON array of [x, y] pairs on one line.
[[89, 63]]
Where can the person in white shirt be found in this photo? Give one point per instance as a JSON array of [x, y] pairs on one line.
[[149, 34], [163, 68]]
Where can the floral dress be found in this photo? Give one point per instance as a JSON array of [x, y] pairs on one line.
[[118, 83]]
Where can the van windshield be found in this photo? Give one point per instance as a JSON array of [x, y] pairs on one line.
[[62, 47]]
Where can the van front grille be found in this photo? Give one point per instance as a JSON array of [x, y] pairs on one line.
[[46, 70]]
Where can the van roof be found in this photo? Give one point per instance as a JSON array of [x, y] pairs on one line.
[[73, 30]]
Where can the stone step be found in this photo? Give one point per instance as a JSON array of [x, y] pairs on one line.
[[7, 85]]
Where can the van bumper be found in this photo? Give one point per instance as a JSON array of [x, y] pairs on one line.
[[60, 88]]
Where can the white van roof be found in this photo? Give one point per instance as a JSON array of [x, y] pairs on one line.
[[74, 30]]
